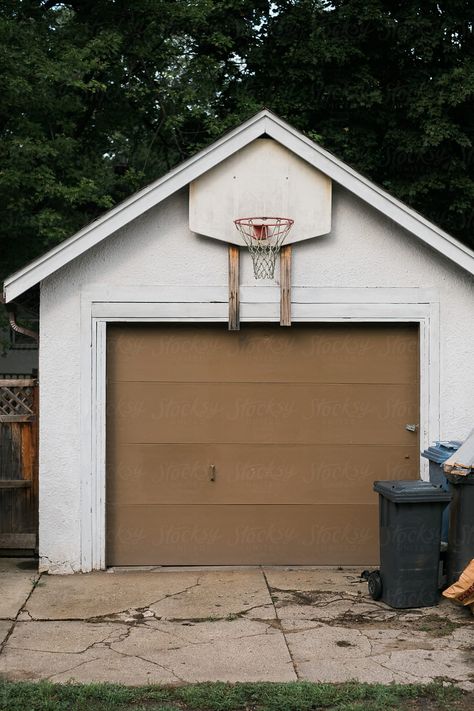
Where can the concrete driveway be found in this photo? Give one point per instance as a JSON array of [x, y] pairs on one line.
[[187, 625]]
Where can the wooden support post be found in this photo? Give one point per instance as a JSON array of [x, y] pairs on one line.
[[285, 285], [234, 297]]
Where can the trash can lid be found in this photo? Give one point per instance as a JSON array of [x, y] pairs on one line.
[[441, 451], [411, 492]]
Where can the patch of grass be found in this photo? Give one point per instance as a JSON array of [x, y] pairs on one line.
[[293, 696]]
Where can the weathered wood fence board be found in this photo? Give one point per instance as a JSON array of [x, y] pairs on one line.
[[18, 463]]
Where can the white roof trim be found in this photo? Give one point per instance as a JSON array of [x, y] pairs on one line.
[[263, 122]]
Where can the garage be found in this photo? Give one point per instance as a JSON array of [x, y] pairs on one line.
[[258, 446], [231, 356]]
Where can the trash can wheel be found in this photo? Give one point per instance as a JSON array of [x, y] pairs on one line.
[[375, 585]]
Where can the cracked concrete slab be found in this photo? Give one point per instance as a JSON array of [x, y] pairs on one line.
[[213, 651], [218, 594], [17, 576], [62, 637], [338, 654], [114, 669], [85, 596], [149, 652], [79, 651], [204, 625], [170, 595]]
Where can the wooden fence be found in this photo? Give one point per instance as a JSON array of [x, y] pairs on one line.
[[18, 463]]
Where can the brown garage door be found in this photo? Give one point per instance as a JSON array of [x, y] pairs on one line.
[[258, 446]]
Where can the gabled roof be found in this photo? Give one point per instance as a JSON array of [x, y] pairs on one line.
[[264, 122]]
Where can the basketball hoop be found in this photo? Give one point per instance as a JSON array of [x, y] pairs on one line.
[[264, 237]]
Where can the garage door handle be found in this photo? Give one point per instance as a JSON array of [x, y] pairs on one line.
[[411, 427], [212, 472]]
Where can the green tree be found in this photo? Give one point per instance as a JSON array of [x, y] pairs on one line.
[[100, 97], [388, 86]]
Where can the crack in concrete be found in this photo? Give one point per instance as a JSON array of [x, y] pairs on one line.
[[293, 662], [7, 636], [30, 618], [230, 617], [79, 620], [110, 617], [81, 664], [394, 672], [22, 609], [305, 598], [121, 637], [256, 607], [369, 642], [105, 641], [188, 643], [286, 630], [179, 592], [150, 661]]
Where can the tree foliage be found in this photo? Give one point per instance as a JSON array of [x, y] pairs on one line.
[[100, 97], [389, 87]]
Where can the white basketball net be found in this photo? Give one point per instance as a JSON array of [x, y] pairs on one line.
[[264, 237]]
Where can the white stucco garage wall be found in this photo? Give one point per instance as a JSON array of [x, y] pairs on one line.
[[364, 249]]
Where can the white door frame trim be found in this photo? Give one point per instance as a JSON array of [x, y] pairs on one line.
[[103, 305]]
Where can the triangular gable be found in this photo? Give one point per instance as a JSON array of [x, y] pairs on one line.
[[264, 122]]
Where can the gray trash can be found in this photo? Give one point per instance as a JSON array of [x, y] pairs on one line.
[[437, 454], [461, 525], [410, 515]]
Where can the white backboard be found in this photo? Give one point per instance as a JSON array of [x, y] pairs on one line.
[[264, 179]]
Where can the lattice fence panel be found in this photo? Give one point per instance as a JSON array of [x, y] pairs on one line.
[[17, 401]]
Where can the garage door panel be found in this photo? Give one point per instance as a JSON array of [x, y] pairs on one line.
[[297, 422], [260, 412], [317, 353], [244, 474], [244, 535]]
